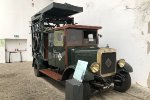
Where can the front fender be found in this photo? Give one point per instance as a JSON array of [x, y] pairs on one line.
[[70, 70], [88, 76], [126, 68]]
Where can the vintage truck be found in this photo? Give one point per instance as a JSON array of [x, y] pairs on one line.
[[58, 43]]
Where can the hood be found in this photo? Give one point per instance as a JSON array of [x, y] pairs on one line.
[[85, 54]]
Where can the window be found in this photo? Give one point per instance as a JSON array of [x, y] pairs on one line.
[[89, 37], [91, 33], [74, 37], [51, 39], [58, 38], [79, 37]]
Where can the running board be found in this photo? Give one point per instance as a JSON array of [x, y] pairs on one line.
[[51, 74]]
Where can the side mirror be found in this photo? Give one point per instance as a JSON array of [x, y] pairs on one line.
[[100, 35]]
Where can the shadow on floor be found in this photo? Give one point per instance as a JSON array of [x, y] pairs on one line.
[[60, 85]]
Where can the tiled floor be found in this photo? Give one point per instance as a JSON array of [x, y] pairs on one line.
[[17, 82]]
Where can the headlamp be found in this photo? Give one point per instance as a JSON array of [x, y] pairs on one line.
[[121, 63], [95, 67]]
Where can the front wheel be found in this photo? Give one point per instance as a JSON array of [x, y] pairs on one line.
[[122, 82]]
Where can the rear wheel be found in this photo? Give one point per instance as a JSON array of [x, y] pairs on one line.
[[122, 82], [36, 69]]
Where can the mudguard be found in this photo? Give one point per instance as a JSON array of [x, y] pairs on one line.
[[67, 72], [70, 70], [126, 68], [88, 76]]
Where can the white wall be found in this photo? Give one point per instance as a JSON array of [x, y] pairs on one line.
[[125, 27], [15, 19], [124, 22], [2, 51]]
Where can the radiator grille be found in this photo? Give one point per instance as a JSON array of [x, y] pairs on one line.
[[108, 64]]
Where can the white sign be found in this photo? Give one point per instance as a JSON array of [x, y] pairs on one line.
[[59, 56], [80, 70]]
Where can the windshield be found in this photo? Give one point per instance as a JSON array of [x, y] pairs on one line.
[[76, 37]]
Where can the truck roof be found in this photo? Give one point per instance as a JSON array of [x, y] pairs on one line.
[[59, 10], [78, 27]]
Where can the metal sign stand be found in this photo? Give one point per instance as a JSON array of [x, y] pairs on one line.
[[76, 90]]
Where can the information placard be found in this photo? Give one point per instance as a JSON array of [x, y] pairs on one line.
[[80, 70]]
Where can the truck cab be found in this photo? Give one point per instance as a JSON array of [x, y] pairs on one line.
[[64, 41]]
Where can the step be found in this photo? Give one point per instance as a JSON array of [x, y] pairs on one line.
[[52, 74]]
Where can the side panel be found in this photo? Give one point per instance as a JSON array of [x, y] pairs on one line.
[[56, 49], [59, 53]]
